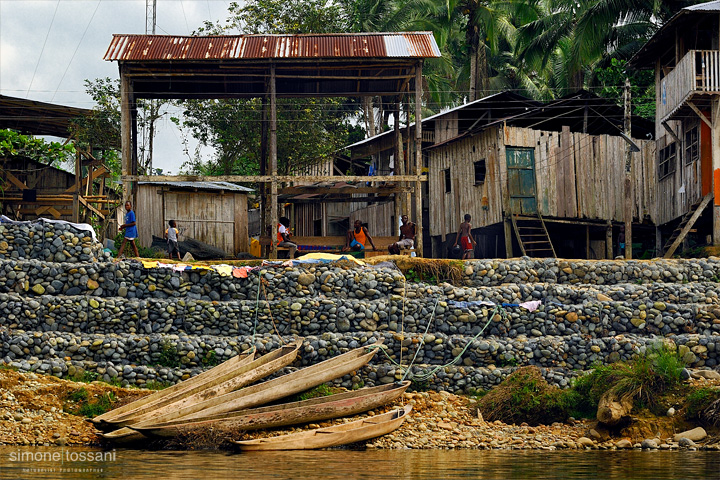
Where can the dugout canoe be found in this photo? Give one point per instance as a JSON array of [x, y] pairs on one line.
[[174, 392], [336, 435], [271, 390], [316, 409], [225, 383]]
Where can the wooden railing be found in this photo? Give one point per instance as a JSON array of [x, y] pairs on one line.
[[697, 72]]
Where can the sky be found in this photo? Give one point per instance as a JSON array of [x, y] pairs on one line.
[[48, 48]]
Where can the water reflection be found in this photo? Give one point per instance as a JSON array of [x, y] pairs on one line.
[[38, 463]]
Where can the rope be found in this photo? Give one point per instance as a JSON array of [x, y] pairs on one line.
[[272, 320], [426, 376]]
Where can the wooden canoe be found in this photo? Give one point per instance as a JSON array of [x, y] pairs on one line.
[[124, 436], [316, 409], [341, 434], [228, 382], [173, 392], [275, 389]]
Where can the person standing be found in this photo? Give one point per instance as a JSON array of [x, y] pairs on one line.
[[464, 236], [130, 227], [283, 237], [357, 238], [407, 237], [171, 235]]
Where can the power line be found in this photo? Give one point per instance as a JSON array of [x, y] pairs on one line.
[[43, 48]]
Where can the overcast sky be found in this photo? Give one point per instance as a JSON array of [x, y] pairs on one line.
[[48, 48]]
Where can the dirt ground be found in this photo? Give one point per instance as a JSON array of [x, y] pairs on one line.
[[38, 410]]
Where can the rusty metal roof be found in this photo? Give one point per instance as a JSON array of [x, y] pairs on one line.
[[238, 47]]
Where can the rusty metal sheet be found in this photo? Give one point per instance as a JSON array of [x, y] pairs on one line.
[[166, 47]]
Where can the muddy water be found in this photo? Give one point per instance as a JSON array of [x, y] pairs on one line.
[[84, 463]]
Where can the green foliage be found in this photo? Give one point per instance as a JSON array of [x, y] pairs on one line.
[[13, 144], [86, 377], [699, 399], [168, 356], [210, 359], [319, 391], [525, 396], [642, 87], [155, 385], [645, 379], [80, 403]]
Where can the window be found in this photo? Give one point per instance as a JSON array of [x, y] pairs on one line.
[[666, 164], [480, 172], [692, 146], [448, 183]]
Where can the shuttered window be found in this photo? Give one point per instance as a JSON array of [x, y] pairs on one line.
[[666, 161], [692, 146]]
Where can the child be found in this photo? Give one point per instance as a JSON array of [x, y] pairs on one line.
[[465, 236], [171, 235], [130, 227]]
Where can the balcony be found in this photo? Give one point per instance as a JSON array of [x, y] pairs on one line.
[[696, 78]]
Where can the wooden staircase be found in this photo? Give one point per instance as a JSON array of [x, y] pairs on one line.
[[532, 236], [685, 225]]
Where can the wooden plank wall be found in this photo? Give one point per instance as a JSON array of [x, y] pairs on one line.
[[210, 217], [378, 218], [447, 209], [672, 202], [577, 176]]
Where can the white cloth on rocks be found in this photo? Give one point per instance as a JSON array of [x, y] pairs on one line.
[[78, 226]]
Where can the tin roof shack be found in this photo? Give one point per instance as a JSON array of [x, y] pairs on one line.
[[32, 188], [387, 65], [516, 165], [215, 213], [685, 55]]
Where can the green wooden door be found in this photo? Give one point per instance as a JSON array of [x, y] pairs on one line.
[[521, 180]]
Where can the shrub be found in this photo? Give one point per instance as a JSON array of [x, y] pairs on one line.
[[525, 396]]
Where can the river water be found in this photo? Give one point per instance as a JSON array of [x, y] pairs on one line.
[[87, 463]]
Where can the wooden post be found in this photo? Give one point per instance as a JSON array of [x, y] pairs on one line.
[[397, 168], [715, 129], [609, 254], [264, 200], [418, 161], [587, 242], [508, 237], [273, 162], [76, 193], [628, 176], [125, 133]]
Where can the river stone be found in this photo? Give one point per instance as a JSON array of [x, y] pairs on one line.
[[696, 434], [39, 289], [306, 279]]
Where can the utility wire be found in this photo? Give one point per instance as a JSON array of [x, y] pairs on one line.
[[43, 49]]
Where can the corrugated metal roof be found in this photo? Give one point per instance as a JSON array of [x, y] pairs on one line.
[[707, 7], [203, 185], [235, 47]]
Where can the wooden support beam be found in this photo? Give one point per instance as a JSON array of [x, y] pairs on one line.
[[688, 225], [101, 171], [273, 162], [700, 114], [310, 190], [270, 178], [90, 207], [15, 181], [418, 161], [337, 199]]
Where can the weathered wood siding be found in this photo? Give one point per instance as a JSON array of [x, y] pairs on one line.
[[379, 219], [211, 217], [447, 209], [577, 176], [678, 191]]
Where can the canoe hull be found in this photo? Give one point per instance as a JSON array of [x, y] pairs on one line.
[[248, 374], [275, 389], [313, 410], [342, 434]]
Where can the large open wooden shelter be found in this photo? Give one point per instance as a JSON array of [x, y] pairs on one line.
[[388, 65]]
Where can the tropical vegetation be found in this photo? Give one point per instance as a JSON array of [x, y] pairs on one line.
[[542, 49]]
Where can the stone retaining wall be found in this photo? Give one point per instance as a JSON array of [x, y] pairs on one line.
[[133, 325]]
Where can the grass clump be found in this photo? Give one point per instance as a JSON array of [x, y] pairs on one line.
[[319, 391], [699, 400], [644, 379], [525, 396], [79, 402]]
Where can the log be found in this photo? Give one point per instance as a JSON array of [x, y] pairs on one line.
[[612, 409]]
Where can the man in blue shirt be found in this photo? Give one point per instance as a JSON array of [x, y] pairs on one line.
[[130, 230]]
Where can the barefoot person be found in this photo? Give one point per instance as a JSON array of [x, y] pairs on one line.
[[357, 238], [130, 228], [464, 235], [407, 237]]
